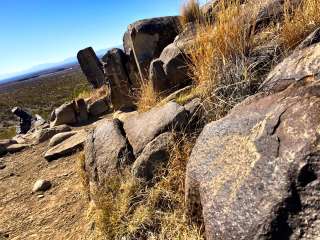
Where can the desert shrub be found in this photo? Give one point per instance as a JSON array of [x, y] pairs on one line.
[[299, 22]]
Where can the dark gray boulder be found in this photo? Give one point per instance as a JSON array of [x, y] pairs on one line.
[[117, 75], [255, 173], [147, 38], [106, 151], [155, 154], [91, 67], [142, 128]]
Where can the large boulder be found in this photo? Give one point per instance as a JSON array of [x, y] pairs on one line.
[[155, 154], [255, 173], [67, 147], [117, 75], [302, 64], [65, 114], [147, 38], [106, 151], [142, 128], [91, 67], [170, 70]]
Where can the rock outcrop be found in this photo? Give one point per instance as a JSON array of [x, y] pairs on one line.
[[91, 67], [142, 128], [117, 75], [147, 38], [255, 173]]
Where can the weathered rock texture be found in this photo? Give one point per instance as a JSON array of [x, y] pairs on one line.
[[91, 67], [300, 65], [65, 114], [157, 152], [117, 75], [106, 151], [147, 38], [45, 134], [60, 137], [144, 127], [98, 107], [67, 147], [255, 173]]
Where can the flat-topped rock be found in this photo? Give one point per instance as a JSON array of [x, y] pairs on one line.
[[67, 147]]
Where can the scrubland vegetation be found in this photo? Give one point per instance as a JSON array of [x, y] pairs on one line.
[[38, 96], [230, 57]]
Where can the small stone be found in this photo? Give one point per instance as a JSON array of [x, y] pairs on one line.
[[41, 186], [2, 166], [40, 196]]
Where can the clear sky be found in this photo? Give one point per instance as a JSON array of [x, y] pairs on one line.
[[34, 32]]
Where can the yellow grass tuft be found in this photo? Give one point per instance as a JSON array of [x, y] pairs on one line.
[[148, 98], [299, 22], [191, 12]]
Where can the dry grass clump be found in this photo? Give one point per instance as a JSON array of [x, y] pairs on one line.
[[299, 22], [147, 97], [191, 12], [132, 209], [224, 58]]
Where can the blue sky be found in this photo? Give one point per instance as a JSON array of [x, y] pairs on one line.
[[34, 32]]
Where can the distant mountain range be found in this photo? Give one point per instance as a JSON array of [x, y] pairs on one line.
[[45, 68]]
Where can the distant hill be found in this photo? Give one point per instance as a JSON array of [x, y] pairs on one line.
[[46, 68]]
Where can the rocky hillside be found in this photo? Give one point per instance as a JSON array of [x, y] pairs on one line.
[[204, 126]]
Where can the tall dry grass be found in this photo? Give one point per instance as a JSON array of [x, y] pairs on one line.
[[147, 97], [299, 22], [132, 209], [224, 58], [191, 12]]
